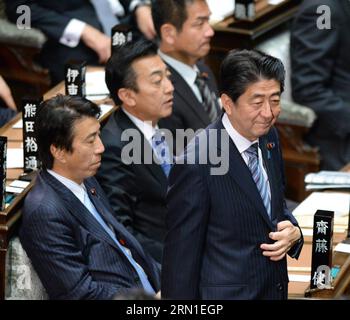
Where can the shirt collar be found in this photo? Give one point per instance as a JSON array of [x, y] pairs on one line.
[[78, 190], [241, 142], [187, 72], [144, 126]]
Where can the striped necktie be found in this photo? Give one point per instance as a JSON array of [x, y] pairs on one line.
[[209, 97], [258, 176]]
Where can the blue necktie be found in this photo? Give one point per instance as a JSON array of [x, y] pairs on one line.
[[258, 177], [141, 273], [161, 149]]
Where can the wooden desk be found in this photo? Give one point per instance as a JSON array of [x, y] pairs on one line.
[[10, 218], [302, 266]]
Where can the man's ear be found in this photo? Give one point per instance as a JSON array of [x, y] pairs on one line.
[[127, 96], [168, 33], [58, 154], [227, 103]]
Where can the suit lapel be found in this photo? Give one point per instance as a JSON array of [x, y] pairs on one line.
[[121, 233], [239, 171], [154, 169], [188, 97], [267, 158], [78, 210]]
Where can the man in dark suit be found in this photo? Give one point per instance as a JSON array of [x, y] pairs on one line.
[[320, 61], [138, 81], [76, 28], [77, 247], [229, 231], [185, 33]]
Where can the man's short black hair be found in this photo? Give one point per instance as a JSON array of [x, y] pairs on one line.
[[170, 11], [241, 68], [54, 124], [119, 72]]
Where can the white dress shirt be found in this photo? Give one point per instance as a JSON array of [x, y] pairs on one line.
[[72, 32], [188, 73], [242, 144]]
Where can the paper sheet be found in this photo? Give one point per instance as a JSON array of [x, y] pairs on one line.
[[95, 84], [342, 247], [18, 124], [332, 201], [105, 108], [220, 11], [299, 277], [14, 158]]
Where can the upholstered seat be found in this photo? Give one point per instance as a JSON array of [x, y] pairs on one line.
[[22, 282]]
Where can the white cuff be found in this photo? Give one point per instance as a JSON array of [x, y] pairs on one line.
[[116, 8], [72, 33], [135, 3]]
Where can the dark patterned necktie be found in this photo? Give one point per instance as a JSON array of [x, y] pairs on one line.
[[258, 177], [209, 97]]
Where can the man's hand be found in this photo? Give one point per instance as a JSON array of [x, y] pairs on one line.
[[285, 236], [5, 94], [98, 42], [143, 15]]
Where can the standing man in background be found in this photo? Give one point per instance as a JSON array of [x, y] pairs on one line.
[[320, 61], [184, 32]]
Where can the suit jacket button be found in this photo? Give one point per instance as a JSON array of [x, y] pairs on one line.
[[279, 286]]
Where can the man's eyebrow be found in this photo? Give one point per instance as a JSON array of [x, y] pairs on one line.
[[92, 135], [260, 95], [156, 73]]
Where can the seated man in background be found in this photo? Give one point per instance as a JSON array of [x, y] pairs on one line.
[[7, 104], [77, 247], [138, 81], [80, 29], [320, 64], [184, 32]]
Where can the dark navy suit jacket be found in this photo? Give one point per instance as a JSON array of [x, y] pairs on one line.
[[136, 192], [188, 112], [52, 17], [216, 224], [73, 255]]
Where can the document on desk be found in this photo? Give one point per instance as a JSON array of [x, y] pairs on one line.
[[299, 277], [104, 109], [96, 88], [222, 11], [18, 124], [327, 180], [14, 158], [332, 201]]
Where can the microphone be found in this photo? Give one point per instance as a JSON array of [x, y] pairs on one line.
[[93, 191]]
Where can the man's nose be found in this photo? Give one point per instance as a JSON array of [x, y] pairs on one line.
[[100, 148]]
